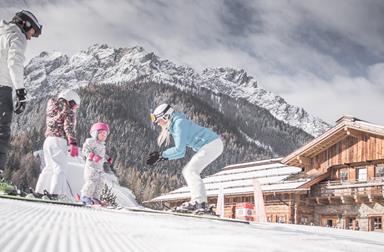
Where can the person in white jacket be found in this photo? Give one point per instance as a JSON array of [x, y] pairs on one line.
[[13, 42]]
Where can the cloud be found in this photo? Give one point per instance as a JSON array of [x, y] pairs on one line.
[[325, 56], [332, 99], [376, 74]]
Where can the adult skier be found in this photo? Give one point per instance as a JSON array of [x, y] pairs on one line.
[[94, 152], [185, 133], [60, 138], [13, 42]]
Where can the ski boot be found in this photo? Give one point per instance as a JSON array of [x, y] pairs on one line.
[[187, 207], [96, 201], [34, 195], [50, 196], [86, 200], [204, 209]]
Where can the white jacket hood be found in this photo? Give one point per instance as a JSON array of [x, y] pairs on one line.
[[6, 27]]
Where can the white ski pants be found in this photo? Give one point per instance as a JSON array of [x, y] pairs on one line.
[[53, 177], [191, 172], [94, 180]]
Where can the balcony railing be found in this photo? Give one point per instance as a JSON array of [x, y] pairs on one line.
[[372, 187]]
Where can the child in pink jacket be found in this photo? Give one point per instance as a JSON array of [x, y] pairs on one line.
[[94, 152]]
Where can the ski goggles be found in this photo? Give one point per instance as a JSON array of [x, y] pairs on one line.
[[73, 104], [154, 118]]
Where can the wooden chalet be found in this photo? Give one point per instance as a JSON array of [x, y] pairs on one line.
[[349, 162]]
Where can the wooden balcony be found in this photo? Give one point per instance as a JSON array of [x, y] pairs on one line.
[[346, 191]]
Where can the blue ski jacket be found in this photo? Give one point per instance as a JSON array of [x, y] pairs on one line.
[[186, 133]]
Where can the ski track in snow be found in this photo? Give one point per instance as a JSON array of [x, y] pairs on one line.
[[37, 227]]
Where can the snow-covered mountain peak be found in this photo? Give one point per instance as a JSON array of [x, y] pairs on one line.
[[231, 75], [48, 73]]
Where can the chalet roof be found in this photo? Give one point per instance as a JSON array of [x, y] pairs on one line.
[[346, 126], [238, 179]]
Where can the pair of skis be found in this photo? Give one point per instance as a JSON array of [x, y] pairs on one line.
[[39, 200], [199, 215]]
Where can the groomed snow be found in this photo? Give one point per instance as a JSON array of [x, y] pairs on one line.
[[37, 227]]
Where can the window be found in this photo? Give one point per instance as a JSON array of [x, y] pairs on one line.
[[376, 223], [351, 223], [344, 174], [280, 219], [379, 170], [304, 220], [361, 173]]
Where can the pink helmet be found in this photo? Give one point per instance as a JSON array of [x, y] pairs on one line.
[[98, 126]]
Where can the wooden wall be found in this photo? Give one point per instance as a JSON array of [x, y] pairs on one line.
[[351, 149]]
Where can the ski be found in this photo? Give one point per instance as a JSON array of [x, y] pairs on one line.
[[39, 200], [191, 215]]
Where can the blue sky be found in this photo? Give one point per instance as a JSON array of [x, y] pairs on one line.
[[325, 56]]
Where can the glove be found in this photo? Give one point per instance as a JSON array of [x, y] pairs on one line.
[[97, 158], [110, 161], [155, 157], [91, 156], [73, 150], [21, 100]]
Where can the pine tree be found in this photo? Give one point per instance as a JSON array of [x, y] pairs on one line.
[[108, 196]]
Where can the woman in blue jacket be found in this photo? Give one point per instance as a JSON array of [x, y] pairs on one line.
[[185, 133]]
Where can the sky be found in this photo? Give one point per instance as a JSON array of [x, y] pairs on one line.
[[326, 56]]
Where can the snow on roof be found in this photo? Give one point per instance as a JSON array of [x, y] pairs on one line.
[[238, 179], [260, 162]]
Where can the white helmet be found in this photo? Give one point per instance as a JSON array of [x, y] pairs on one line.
[[69, 95], [162, 111]]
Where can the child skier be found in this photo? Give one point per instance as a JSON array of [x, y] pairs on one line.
[[94, 152], [60, 136], [205, 142]]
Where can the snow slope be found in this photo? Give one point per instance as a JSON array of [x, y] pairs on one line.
[[36, 227], [75, 179]]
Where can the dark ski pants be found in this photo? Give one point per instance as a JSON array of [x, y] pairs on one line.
[[6, 111]]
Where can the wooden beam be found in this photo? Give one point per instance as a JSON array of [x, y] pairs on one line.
[[353, 133], [304, 160]]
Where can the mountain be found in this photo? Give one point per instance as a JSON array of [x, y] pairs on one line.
[[121, 87], [103, 64]]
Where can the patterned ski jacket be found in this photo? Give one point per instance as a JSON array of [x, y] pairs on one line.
[[186, 133], [61, 120], [98, 148]]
